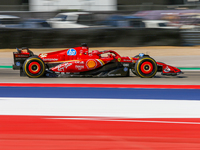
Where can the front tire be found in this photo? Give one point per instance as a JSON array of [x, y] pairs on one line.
[[34, 67], [146, 67]]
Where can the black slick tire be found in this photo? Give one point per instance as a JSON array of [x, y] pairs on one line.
[[146, 67], [34, 67]]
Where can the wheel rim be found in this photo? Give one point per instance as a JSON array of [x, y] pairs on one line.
[[146, 67], [34, 67]]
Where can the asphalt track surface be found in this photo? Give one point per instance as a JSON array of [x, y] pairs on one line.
[[188, 78]]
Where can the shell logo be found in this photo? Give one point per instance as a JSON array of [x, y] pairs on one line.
[[91, 64]]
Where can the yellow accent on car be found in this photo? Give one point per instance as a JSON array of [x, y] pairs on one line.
[[101, 61]]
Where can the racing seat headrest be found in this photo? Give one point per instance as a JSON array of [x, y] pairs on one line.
[[84, 44]]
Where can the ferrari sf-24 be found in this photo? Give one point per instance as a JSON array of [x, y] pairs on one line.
[[79, 62]]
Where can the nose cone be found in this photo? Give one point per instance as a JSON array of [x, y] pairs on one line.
[[177, 70]]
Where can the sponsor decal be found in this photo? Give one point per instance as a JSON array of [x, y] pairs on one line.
[[50, 59], [91, 64], [71, 52], [62, 68], [20, 58], [79, 67], [127, 60], [18, 63], [125, 69], [43, 55], [21, 55], [67, 65], [119, 59], [79, 62], [126, 65]]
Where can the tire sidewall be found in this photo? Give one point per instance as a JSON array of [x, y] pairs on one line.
[[27, 63], [140, 62]]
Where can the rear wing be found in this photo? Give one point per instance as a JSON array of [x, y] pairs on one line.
[[20, 56]]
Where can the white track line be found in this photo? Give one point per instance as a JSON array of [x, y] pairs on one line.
[[120, 108], [121, 120]]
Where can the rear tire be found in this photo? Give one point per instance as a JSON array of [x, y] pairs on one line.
[[34, 67], [146, 67]]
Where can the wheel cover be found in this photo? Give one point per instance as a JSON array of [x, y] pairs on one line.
[[146, 67], [34, 67]]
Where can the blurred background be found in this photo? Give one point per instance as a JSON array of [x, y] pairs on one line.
[[100, 23], [164, 118]]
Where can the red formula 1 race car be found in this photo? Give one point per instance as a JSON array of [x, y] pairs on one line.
[[79, 62]]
